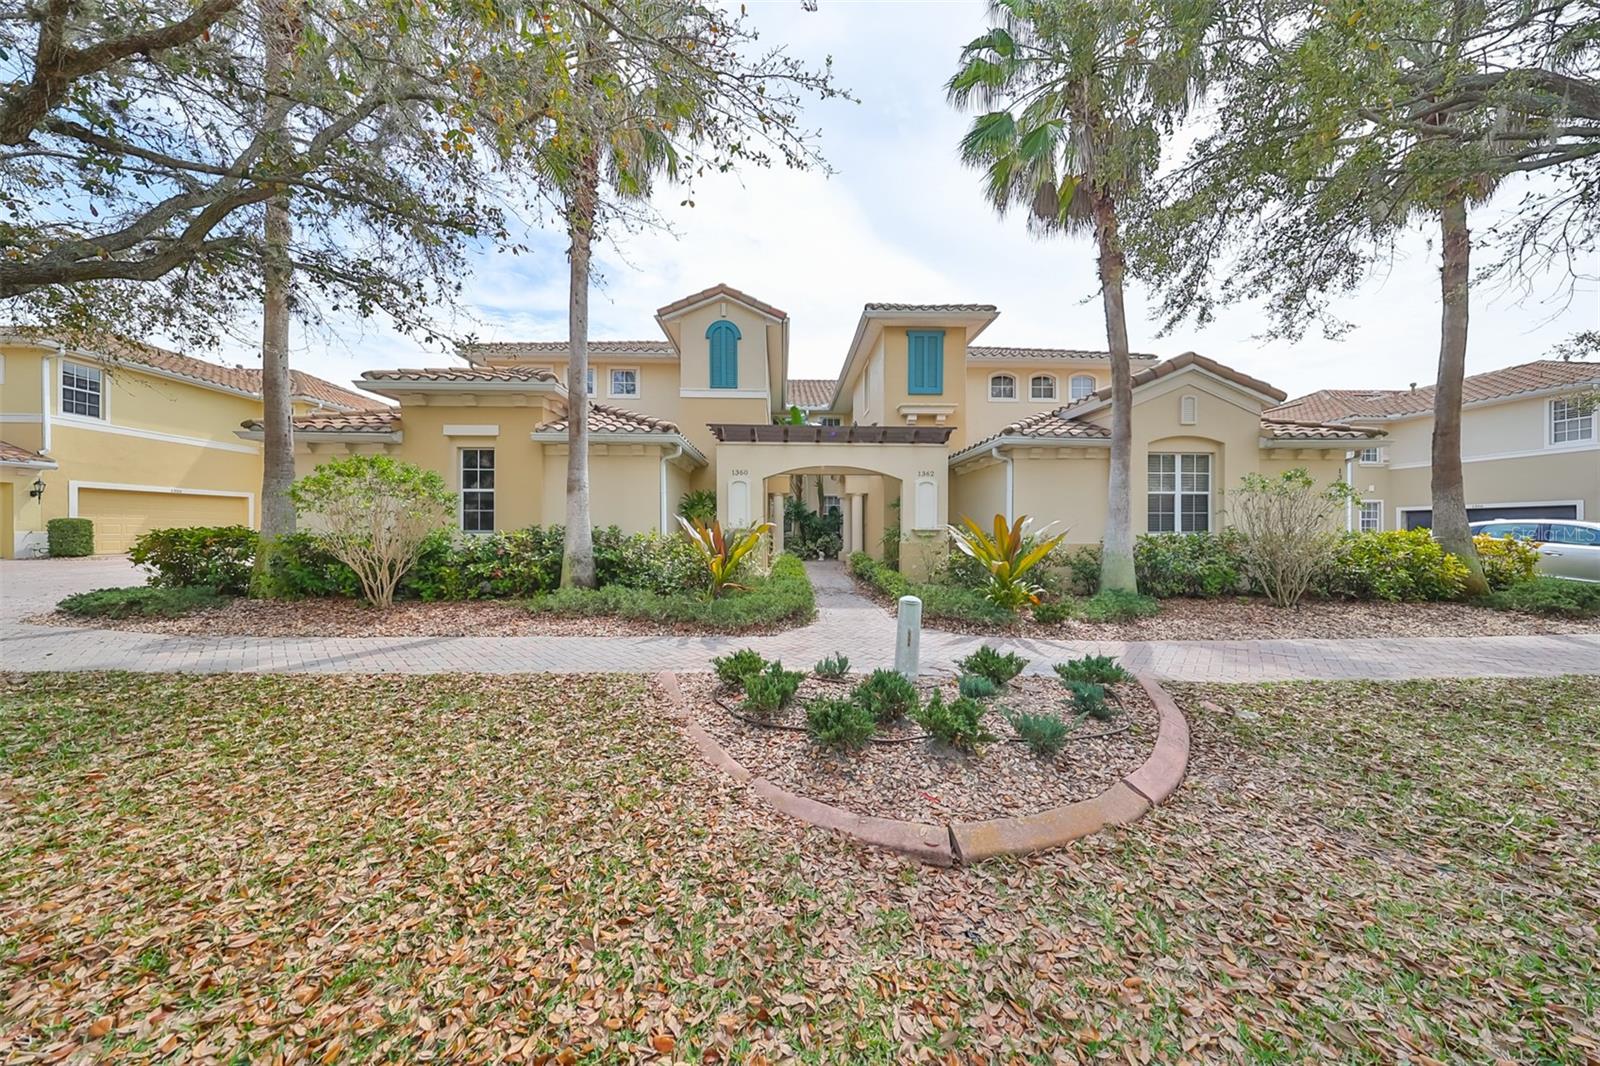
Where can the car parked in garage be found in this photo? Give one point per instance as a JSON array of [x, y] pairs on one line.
[[1568, 549]]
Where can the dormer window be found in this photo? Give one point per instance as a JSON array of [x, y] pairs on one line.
[[1042, 387], [1002, 387], [1080, 386], [724, 341]]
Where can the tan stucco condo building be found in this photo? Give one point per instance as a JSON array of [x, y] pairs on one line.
[[131, 436], [1530, 446], [921, 427]]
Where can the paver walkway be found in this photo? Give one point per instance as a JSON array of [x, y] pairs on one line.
[[846, 622]]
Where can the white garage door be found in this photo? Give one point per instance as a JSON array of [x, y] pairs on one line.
[[120, 516]]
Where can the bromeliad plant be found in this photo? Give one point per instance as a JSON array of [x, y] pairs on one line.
[[1007, 555], [721, 555]]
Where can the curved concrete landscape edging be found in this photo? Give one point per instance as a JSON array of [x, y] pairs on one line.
[[944, 845]]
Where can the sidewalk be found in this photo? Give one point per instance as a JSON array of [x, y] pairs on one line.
[[846, 622]]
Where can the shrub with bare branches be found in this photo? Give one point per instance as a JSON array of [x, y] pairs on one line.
[[1289, 531]]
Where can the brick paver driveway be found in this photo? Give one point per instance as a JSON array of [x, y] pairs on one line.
[[845, 622]]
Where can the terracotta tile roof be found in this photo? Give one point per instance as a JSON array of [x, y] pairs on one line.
[[1281, 430], [460, 373], [350, 422], [1175, 364], [719, 289], [561, 349], [1339, 405], [986, 309], [238, 378], [603, 418], [811, 392], [986, 351], [11, 453]]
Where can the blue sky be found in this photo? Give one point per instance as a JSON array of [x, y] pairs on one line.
[[901, 220]]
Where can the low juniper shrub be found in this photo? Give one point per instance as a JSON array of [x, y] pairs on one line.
[[733, 668], [839, 723], [1051, 612], [770, 690], [887, 695], [1089, 701], [1044, 734], [1116, 605], [958, 723], [833, 667], [1549, 596], [989, 663], [978, 687], [141, 602], [1101, 668]]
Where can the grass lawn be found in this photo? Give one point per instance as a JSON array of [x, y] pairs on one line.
[[477, 869]]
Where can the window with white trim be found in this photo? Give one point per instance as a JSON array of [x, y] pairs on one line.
[[1179, 492], [1370, 456], [624, 381], [1002, 387], [1371, 518], [589, 385], [832, 505], [1080, 386], [1042, 387], [82, 390], [477, 490], [1570, 422]]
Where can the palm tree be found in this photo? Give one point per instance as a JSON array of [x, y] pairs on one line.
[[1074, 99]]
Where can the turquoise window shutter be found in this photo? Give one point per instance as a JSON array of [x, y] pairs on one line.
[[724, 338], [925, 362]]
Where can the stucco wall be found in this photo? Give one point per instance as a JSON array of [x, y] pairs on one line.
[[624, 486], [982, 417]]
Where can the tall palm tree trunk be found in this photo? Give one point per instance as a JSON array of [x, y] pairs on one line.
[[277, 430], [577, 559], [1449, 492], [1116, 553]]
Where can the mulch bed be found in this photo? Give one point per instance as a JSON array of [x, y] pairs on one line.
[[352, 618], [906, 775], [1253, 618]]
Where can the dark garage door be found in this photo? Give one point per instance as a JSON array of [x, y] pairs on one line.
[[1417, 519]]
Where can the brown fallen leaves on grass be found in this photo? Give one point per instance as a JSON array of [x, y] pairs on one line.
[[474, 869]]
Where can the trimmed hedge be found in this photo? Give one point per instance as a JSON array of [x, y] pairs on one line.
[[783, 596], [69, 538], [949, 602], [141, 601], [1404, 565], [1170, 564], [217, 557], [1549, 596]]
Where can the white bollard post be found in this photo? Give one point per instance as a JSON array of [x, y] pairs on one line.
[[908, 637]]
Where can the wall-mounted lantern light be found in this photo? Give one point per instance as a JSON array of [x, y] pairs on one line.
[[38, 488]]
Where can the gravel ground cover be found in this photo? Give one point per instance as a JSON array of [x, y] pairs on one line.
[[352, 618], [906, 774], [1253, 618], [229, 868]]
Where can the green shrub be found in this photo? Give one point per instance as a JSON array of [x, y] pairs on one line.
[[978, 687], [839, 723], [69, 538], [1089, 700], [939, 601], [886, 694], [1051, 612], [1398, 564], [770, 690], [1045, 734], [783, 596], [733, 668], [833, 667], [957, 723], [1081, 567], [989, 663], [1549, 596], [1166, 565], [301, 567], [218, 557], [699, 506], [1506, 561], [1103, 669], [143, 601], [1116, 605]]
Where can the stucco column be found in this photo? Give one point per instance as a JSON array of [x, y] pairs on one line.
[[775, 509], [857, 516]]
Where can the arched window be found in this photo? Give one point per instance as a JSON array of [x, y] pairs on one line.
[[1080, 386], [1002, 387], [724, 338], [1042, 387]]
